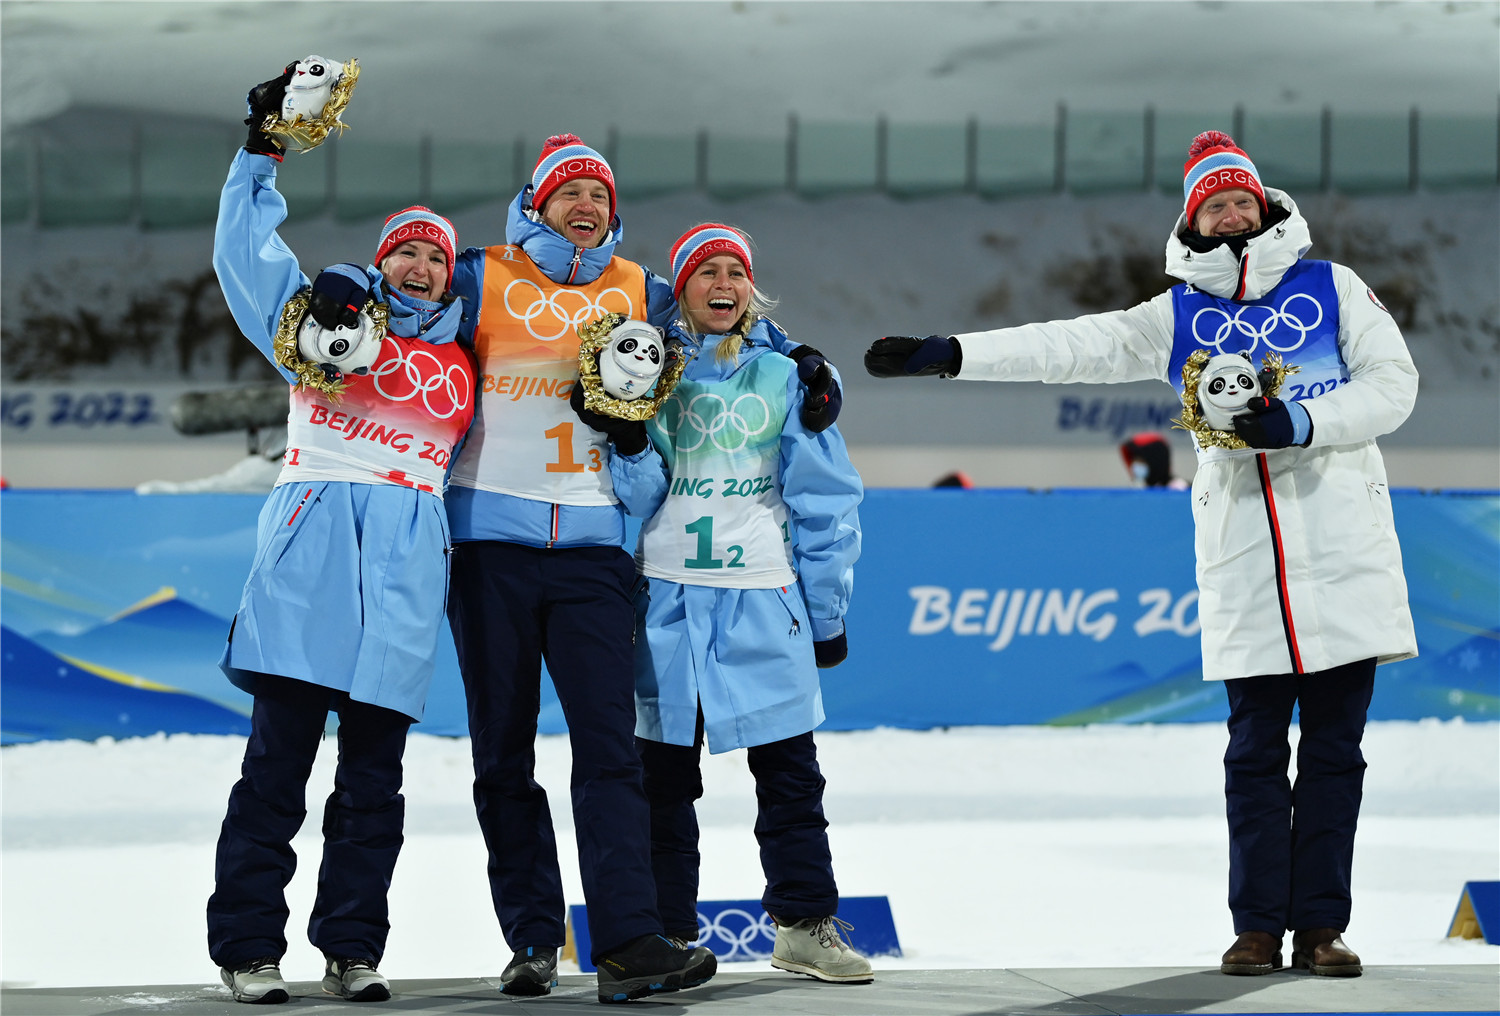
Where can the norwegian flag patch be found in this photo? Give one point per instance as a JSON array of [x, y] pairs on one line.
[[1375, 299]]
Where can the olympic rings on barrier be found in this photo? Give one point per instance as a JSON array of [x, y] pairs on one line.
[[741, 931], [730, 427], [458, 392], [590, 308], [1242, 323]]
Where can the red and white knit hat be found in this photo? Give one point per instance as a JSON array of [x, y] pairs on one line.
[[1215, 164], [418, 223], [704, 241], [566, 157]]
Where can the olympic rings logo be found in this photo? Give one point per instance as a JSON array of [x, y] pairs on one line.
[[740, 931], [1242, 323], [452, 380], [729, 426], [590, 308]]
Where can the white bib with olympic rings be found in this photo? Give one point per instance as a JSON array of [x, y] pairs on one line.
[[724, 522]]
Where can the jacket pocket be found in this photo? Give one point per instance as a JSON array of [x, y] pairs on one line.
[[1208, 516], [296, 521], [640, 599], [796, 609], [1380, 505]]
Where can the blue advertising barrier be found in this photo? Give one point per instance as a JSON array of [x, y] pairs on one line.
[[970, 607]]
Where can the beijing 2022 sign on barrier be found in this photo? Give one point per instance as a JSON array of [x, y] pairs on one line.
[[970, 607]]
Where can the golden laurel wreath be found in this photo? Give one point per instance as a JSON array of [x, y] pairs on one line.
[[593, 337], [1192, 420], [304, 135], [284, 345]]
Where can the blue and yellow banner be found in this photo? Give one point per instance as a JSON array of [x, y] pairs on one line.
[[970, 607]]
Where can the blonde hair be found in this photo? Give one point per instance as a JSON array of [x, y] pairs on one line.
[[760, 305]]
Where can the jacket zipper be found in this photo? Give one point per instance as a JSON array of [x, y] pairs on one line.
[[577, 260], [1239, 293], [796, 628], [552, 532], [1278, 553]]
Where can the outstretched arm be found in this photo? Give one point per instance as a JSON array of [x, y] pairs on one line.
[[1118, 346]]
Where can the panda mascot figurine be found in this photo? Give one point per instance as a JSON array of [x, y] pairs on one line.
[[341, 350], [631, 360], [310, 87], [1228, 381]]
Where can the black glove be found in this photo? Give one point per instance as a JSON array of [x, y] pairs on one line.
[[629, 436], [907, 356], [264, 100], [338, 293], [1271, 423], [824, 397], [831, 652]]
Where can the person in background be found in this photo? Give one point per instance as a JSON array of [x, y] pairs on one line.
[[1301, 592], [1148, 460], [957, 478], [343, 606], [742, 600]]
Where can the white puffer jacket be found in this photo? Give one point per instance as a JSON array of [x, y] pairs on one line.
[[1299, 569]]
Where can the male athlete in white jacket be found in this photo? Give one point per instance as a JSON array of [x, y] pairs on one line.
[[1301, 592]]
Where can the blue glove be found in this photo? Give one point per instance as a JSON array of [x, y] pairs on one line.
[[908, 356], [1271, 423], [824, 397], [831, 652], [338, 293]]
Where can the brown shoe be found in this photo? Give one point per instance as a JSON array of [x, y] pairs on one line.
[[1323, 952], [1254, 952]]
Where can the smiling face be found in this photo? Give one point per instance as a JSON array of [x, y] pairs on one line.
[[715, 296], [1227, 383], [579, 211], [1228, 213], [417, 268]]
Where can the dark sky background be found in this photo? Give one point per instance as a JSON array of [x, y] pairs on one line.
[[484, 69]]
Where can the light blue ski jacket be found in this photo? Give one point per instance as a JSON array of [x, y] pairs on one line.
[[745, 656]]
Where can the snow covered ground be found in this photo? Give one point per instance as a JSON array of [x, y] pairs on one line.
[[998, 847]]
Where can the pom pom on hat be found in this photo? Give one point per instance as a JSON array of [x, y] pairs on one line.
[[1215, 164], [565, 157], [705, 241], [418, 223]]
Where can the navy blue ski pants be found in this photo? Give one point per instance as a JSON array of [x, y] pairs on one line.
[[362, 821], [1291, 845], [510, 607], [789, 826]]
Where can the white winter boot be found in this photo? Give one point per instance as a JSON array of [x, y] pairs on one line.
[[816, 947]]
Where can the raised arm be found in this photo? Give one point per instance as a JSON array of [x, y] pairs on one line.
[[257, 271]]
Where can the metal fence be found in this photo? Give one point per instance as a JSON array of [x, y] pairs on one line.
[[166, 178]]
